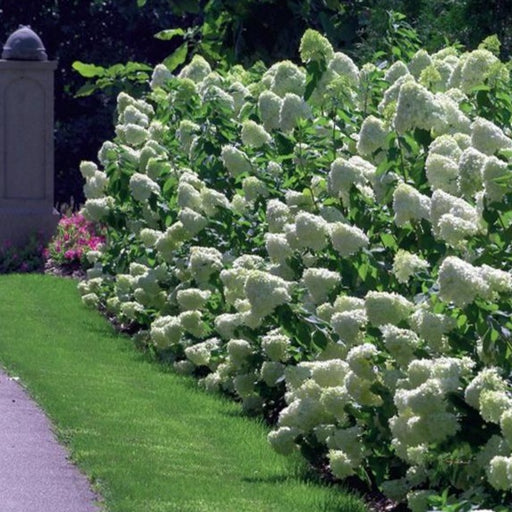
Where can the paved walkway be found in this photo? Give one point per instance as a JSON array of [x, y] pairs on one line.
[[35, 473]]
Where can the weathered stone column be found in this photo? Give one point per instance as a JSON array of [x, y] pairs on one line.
[[26, 139]]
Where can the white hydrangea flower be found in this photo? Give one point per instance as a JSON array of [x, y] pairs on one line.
[[475, 68], [188, 196], [311, 231], [334, 399], [395, 71], [287, 78], [254, 135], [320, 282], [277, 247], [401, 343], [499, 473], [191, 321], [347, 239], [278, 215], [235, 161], [204, 261], [161, 75], [460, 282], [442, 173], [282, 440], [269, 106], [212, 201], [276, 345], [506, 425], [107, 153], [345, 67], [192, 298], [445, 205], [200, 354], [192, 221], [240, 95], [346, 173], [303, 414], [239, 350], [488, 138], [494, 169], [132, 134], [372, 136], [97, 209], [141, 187], [386, 308], [360, 390], [197, 70], [95, 186], [254, 188], [88, 169], [328, 373], [409, 204], [361, 360], [293, 108], [499, 281], [265, 292], [91, 300], [420, 60], [349, 325], [226, 324], [340, 463], [406, 264], [417, 108], [186, 133], [471, 164], [487, 379], [314, 47], [166, 331], [132, 115], [218, 96], [432, 327], [454, 230], [299, 200], [493, 404]]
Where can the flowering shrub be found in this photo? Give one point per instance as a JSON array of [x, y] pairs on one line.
[[71, 246], [331, 243], [29, 258]]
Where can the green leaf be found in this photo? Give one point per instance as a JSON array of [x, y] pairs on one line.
[[86, 90], [315, 71], [178, 57], [88, 70], [141, 3], [167, 35]]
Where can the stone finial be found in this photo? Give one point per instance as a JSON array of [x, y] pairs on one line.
[[24, 44]]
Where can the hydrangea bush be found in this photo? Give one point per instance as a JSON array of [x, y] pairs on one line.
[[330, 244]]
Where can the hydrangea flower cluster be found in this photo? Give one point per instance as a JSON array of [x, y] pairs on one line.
[[356, 272]]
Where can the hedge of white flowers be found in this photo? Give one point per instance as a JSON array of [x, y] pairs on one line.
[[331, 245]]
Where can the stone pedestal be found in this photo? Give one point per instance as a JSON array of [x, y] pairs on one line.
[[26, 150]]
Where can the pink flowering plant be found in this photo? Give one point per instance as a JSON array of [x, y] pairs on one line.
[[75, 237]]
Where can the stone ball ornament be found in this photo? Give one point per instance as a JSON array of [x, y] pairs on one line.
[[24, 44]]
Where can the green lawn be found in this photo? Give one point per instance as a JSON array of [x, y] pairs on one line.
[[147, 438]]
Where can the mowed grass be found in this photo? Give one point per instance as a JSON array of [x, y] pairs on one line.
[[148, 439]]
